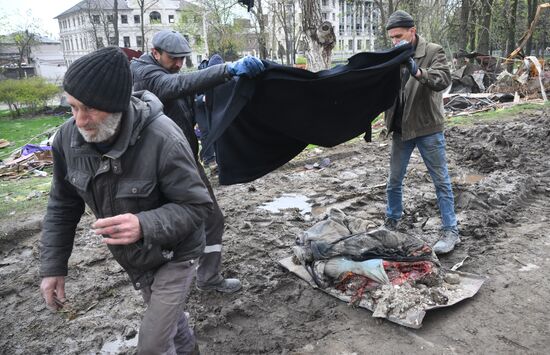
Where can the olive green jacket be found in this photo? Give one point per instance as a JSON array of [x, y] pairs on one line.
[[423, 110]]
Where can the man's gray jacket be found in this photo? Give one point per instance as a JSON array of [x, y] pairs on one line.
[[177, 91], [423, 110], [149, 171]]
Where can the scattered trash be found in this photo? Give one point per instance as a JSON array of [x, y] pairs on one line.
[[287, 201], [323, 163]]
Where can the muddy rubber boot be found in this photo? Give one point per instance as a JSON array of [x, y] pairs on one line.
[[225, 286], [391, 224], [448, 241]]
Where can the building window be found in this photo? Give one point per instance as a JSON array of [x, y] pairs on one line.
[[124, 18], [350, 44], [100, 42], [95, 19], [359, 44], [110, 18], [333, 17], [325, 2], [137, 19], [81, 43], [139, 41], [199, 58], [126, 41], [171, 18], [324, 15], [112, 41], [74, 22], [154, 17]]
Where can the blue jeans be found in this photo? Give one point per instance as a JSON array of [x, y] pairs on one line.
[[432, 150]]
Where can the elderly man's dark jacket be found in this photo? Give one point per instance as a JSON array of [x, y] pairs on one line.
[[423, 107], [149, 171], [177, 91]]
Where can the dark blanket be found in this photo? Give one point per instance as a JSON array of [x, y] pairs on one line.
[[258, 125]]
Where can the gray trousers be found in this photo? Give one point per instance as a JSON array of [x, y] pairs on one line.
[[210, 262], [164, 328]]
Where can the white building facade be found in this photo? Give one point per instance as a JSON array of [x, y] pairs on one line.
[[355, 25], [89, 25]]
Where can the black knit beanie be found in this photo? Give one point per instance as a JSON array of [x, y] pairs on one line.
[[101, 80], [399, 18]]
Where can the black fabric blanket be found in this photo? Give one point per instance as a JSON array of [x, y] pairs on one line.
[[259, 124]]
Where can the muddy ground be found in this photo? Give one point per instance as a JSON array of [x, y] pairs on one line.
[[501, 180]]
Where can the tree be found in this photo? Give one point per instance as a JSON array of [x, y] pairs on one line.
[[24, 40], [144, 5], [191, 23], [511, 38], [464, 25], [224, 35], [319, 36], [261, 22], [115, 21], [531, 10], [486, 13], [285, 14]]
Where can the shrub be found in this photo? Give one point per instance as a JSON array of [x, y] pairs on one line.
[[32, 93], [301, 60]]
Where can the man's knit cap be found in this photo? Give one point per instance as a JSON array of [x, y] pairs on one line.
[[399, 18], [172, 42], [101, 80]]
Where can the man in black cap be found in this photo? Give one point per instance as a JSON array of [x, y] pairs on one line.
[[417, 120], [132, 166], [158, 72]]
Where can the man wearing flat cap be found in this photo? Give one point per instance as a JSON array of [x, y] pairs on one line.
[[132, 166], [417, 120], [158, 72]]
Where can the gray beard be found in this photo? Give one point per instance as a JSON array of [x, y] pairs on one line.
[[105, 130]]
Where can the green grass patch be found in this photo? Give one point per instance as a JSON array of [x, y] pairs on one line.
[[498, 114], [23, 131], [23, 195]]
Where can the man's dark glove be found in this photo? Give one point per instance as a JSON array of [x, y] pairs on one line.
[[411, 65], [248, 66]]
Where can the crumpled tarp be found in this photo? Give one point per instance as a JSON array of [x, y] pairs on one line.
[[341, 235], [29, 149]]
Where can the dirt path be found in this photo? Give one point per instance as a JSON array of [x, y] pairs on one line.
[[501, 173]]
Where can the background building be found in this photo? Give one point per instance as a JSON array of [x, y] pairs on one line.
[[89, 25]]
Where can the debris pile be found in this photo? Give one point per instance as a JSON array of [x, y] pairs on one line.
[[484, 84], [30, 160]]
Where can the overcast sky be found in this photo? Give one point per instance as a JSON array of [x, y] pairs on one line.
[[15, 12]]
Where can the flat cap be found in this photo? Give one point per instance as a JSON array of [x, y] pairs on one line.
[[172, 42], [399, 18]]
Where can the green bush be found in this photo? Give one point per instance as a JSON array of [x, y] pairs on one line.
[[32, 93], [301, 60]]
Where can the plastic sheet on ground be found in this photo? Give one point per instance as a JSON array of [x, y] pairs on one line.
[[468, 286]]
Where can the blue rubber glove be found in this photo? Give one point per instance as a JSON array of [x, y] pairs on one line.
[[248, 66], [411, 65]]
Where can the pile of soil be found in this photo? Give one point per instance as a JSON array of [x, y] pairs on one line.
[[501, 180]]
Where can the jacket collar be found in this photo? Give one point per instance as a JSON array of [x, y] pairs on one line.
[[421, 45]]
